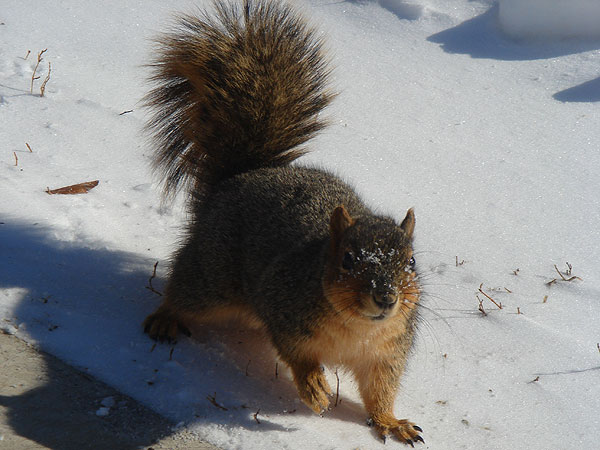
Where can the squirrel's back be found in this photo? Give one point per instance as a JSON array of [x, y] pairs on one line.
[[272, 211], [235, 91]]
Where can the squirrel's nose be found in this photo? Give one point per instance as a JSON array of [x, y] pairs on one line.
[[385, 300]]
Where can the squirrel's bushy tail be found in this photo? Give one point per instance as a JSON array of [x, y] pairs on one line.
[[235, 91]]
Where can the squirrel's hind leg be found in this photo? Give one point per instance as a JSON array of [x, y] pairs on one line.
[[164, 325], [196, 292], [178, 307], [175, 314]]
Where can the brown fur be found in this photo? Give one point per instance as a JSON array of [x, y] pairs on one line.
[[258, 50], [292, 250]]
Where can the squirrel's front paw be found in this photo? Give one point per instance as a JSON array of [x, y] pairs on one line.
[[163, 325], [314, 390], [406, 432]]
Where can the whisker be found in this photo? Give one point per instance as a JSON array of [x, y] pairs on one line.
[[343, 300], [428, 295]]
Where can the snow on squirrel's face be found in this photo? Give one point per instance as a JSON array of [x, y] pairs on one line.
[[375, 274]]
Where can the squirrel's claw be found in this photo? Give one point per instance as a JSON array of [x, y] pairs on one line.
[[405, 431], [313, 389], [163, 326]]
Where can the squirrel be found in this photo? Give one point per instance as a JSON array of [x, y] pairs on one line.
[[290, 249]]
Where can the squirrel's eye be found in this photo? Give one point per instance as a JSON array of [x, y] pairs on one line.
[[412, 262], [348, 261]]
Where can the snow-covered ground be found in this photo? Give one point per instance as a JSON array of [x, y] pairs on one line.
[[494, 141]]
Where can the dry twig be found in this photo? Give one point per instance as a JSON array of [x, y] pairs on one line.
[[255, 415], [490, 298], [150, 287], [43, 86], [337, 388], [569, 269], [481, 306], [39, 60], [562, 277], [213, 400]]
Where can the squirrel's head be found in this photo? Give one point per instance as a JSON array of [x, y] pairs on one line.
[[370, 271]]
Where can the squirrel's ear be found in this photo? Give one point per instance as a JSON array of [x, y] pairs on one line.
[[408, 224], [339, 222]]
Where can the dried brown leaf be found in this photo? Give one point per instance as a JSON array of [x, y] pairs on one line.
[[81, 188]]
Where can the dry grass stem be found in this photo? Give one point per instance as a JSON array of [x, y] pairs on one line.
[[337, 388], [545, 299], [255, 415], [569, 269], [481, 306], [499, 305], [152, 277], [562, 277], [30, 151], [39, 60], [213, 400], [16, 159], [43, 86], [459, 263], [27, 55]]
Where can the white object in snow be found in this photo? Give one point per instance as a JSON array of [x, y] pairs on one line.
[[550, 18]]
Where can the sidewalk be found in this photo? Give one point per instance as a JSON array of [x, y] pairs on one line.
[[46, 404]]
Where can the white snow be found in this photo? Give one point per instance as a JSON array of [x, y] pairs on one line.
[[404, 10], [103, 411], [495, 142], [108, 402], [551, 18]]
